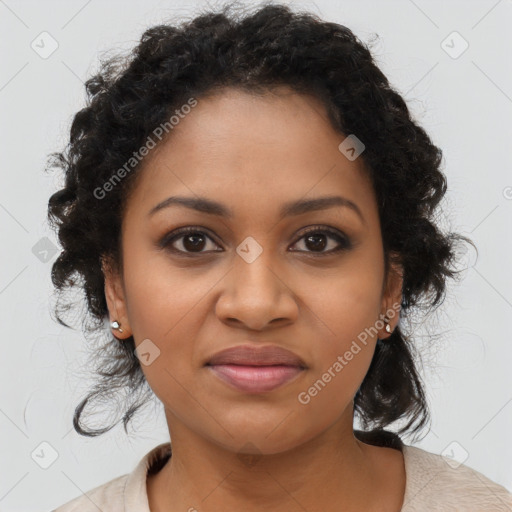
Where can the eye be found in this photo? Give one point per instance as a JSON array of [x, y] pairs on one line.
[[193, 240], [316, 238]]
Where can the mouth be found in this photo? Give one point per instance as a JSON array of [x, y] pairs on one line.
[[256, 369], [255, 378]]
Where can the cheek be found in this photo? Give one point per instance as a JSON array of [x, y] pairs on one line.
[[162, 295], [346, 301], [164, 305], [344, 309]]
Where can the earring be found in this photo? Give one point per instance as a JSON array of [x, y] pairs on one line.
[[115, 325], [387, 329]]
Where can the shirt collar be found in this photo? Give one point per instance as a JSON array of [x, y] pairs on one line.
[[135, 492]]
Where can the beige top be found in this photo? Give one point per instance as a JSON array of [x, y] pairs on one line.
[[431, 485]]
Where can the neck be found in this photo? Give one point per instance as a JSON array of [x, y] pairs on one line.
[[332, 469]]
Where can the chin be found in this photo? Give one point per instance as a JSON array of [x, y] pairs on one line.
[[268, 437]]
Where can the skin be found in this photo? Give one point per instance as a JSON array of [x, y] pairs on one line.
[[253, 153]]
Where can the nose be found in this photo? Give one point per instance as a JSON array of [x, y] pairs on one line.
[[256, 296]]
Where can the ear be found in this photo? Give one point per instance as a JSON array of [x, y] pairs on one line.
[[115, 297], [392, 295]]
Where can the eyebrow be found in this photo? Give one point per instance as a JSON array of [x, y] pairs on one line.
[[204, 205]]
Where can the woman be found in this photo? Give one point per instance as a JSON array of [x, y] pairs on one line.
[[250, 205]]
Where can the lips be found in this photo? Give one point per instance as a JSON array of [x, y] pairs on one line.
[[247, 355], [255, 369]]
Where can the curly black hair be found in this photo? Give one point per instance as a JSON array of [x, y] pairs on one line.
[[253, 51]]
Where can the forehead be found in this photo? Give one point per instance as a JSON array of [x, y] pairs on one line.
[[252, 153]]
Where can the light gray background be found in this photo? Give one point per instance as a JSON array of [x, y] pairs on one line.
[[464, 103]]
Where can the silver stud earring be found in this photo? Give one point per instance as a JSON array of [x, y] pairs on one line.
[[388, 327], [115, 325]]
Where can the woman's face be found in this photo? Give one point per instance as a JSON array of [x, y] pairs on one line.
[[253, 277]]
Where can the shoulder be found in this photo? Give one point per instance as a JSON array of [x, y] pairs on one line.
[[110, 494], [126, 493], [434, 482]]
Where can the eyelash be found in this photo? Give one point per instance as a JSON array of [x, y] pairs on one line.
[[167, 240]]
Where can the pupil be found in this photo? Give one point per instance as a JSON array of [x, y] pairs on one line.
[[193, 245], [316, 245]]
